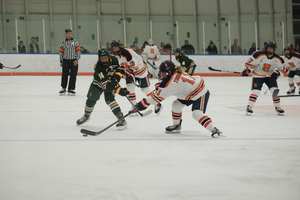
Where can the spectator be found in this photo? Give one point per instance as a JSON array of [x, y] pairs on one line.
[[297, 49], [187, 48], [108, 47], [252, 49], [145, 44], [33, 46], [21, 47], [134, 46], [83, 50], [165, 46], [212, 49], [235, 48]]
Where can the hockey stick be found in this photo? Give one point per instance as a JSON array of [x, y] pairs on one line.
[[12, 67], [95, 133], [141, 114], [151, 65], [137, 85], [218, 70], [295, 95]]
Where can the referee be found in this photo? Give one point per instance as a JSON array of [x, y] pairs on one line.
[[69, 54]]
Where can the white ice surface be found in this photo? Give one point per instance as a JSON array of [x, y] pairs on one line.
[[44, 156]]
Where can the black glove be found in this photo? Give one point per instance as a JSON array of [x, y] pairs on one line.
[[246, 72], [1, 66], [275, 74], [122, 91], [130, 78], [143, 104]]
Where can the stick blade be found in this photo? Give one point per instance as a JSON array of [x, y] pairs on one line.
[[17, 67], [147, 113], [88, 132]]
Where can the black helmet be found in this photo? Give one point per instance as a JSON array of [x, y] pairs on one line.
[[168, 67], [67, 30], [272, 44], [103, 52], [287, 48], [288, 55], [115, 43], [177, 50]]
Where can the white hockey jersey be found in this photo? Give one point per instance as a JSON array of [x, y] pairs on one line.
[[131, 61], [183, 86], [152, 52], [293, 63], [261, 66]]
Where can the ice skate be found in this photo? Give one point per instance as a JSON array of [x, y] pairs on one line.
[[122, 124], [249, 111], [62, 92], [174, 128], [291, 91], [279, 111], [158, 108], [71, 92], [215, 133], [83, 119]]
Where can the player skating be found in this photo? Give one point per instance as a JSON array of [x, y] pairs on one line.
[[185, 62], [292, 62], [265, 67], [189, 90], [106, 78], [134, 70], [150, 55]]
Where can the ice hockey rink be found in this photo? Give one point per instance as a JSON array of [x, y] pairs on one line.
[[44, 156]]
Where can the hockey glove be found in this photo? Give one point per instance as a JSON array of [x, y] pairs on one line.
[[142, 105], [130, 78], [275, 74], [246, 72], [1, 66], [122, 91]]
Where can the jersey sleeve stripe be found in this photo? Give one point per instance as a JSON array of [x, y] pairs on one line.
[[249, 65], [196, 91], [141, 71]]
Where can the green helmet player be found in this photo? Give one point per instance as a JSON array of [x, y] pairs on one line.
[[107, 75], [186, 63]]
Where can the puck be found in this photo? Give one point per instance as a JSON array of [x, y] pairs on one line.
[[85, 135]]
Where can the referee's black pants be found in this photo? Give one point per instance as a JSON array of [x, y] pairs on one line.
[[69, 68]]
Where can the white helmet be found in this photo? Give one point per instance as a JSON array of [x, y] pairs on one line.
[[150, 41]]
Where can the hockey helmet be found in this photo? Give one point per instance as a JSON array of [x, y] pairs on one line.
[[67, 30], [101, 53], [288, 55], [272, 44], [177, 50], [168, 67], [150, 41], [115, 43]]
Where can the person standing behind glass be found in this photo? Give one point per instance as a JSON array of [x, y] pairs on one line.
[[21, 47], [235, 48], [252, 49], [212, 49], [33, 46], [69, 54]]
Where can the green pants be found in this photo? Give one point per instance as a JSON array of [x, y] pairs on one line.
[[93, 96], [191, 69]]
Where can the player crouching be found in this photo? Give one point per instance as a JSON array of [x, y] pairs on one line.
[[189, 90], [292, 63], [262, 65], [106, 78]]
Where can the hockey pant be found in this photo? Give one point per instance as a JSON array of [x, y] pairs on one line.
[[93, 96], [198, 109]]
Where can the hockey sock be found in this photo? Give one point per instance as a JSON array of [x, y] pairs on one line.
[[253, 97], [204, 120], [176, 111], [89, 106], [115, 108], [276, 100], [131, 88], [291, 82]]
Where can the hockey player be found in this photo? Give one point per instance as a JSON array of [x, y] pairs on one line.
[[150, 54], [106, 77], [189, 90], [134, 70], [292, 63], [262, 65], [185, 62]]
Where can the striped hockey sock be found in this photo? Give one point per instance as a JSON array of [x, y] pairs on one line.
[[176, 117]]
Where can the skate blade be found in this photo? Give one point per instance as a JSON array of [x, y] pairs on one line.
[[62, 94], [248, 114], [280, 114], [70, 94], [122, 128], [173, 132]]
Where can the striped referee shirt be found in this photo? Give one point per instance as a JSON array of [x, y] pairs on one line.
[[69, 50]]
